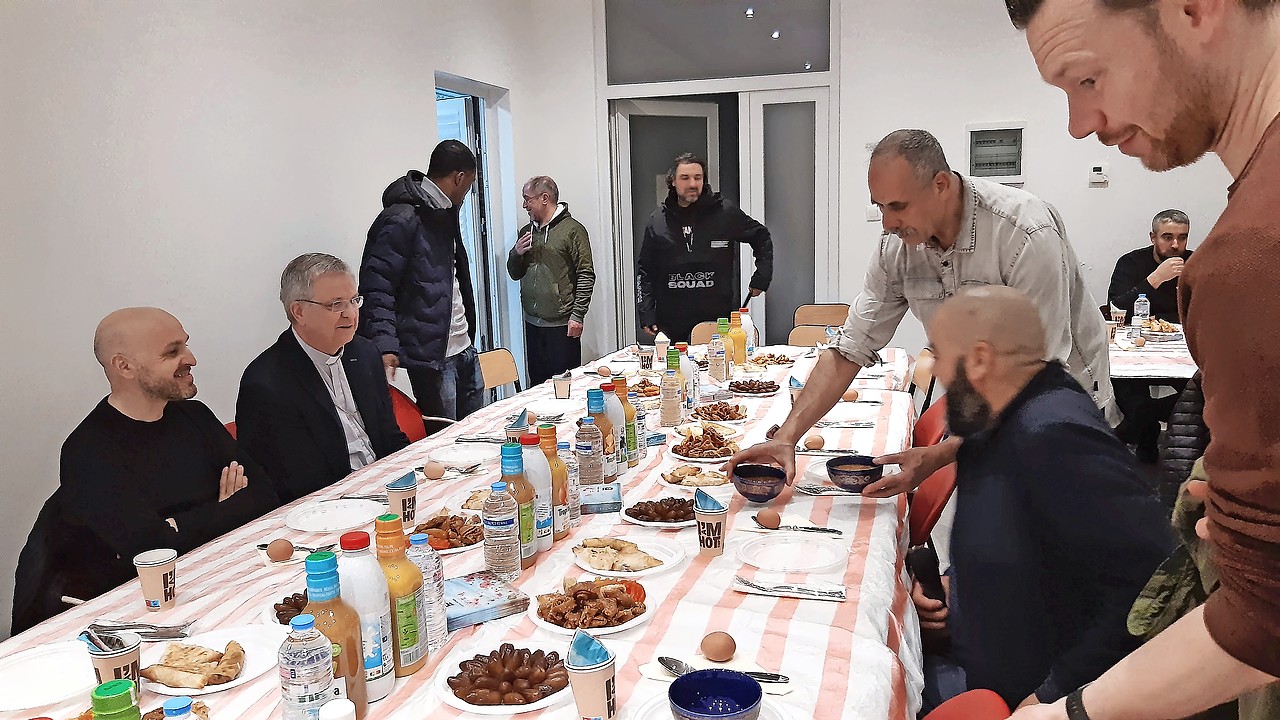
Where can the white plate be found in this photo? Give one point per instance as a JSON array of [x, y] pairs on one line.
[[455, 502], [466, 454], [333, 516], [449, 668], [659, 708], [261, 645], [46, 675], [726, 431], [792, 553], [570, 409], [671, 554], [552, 627], [755, 395], [686, 458], [659, 525]]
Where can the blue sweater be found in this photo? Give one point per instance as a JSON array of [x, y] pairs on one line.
[[1054, 538]]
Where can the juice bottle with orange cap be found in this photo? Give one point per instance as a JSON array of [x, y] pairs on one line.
[[408, 603]]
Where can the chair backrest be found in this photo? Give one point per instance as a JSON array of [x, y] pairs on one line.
[[408, 415], [931, 426], [498, 367], [922, 377], [971, 705], [807, 335], [928, 503], [821, 314], [702, 332], [231, 428]]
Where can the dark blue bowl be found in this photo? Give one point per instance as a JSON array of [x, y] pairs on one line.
[[714, 695], [853, 472], [759, 483]]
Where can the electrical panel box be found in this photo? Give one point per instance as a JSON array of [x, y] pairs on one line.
[[995, 151]]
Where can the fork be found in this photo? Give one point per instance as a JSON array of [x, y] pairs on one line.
[[109, 625], [322, 548], [797, 589], [843, 424], [464, 470], [821, 490]]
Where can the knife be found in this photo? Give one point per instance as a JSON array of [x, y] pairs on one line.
[[680, 667]]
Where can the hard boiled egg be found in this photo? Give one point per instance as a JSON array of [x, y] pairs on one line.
[[604, 371], [433, 470], [719, 647], [280, 550], [769, 518], [849, 395], [814, 442]]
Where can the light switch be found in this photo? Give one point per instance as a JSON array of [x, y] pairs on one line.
[[873, 214]]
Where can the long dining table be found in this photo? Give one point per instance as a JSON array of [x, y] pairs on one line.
[[857, 659]]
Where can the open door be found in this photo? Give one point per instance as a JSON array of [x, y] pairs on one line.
[[647, 135]]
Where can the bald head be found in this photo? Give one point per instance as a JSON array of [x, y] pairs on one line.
[[1000, 317], [145, 349]]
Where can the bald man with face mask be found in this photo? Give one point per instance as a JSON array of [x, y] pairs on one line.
[[1054, 534]]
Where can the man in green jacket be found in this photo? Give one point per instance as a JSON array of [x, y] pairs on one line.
[[552, 261]]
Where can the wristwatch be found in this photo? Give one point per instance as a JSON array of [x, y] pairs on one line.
[[1075, 705]]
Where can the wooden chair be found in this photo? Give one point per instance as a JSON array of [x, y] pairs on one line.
[[971, 705], [231, 429], [922, 377], [821, 314], [498, 368], [702, 332], [807, 335]]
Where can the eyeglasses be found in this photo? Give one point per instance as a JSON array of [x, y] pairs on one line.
[[338, 306]]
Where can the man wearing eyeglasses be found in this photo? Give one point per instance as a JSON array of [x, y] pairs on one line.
[[314, 406]]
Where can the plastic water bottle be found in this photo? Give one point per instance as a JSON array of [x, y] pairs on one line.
[[642, 425], [421, 553], [570, 458], [501, 534], [1141, 311], [590, 446], [179, 708], [306, 670]]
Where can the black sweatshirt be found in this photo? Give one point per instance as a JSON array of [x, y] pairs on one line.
[[122, 478], [1054, 538], [1130, 280]]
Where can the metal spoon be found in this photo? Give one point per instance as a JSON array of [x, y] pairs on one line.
[[802, 528], [680, 667]]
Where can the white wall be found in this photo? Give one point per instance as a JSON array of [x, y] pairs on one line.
[[179, 154], [940, 64]]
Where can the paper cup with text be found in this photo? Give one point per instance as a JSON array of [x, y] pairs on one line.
[[710, 515], [591, 677], [157, 569], [562, 385], [121, 661], [402, 498]]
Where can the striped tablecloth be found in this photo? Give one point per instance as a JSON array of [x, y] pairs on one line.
[[1153, 360], [858, 659], [893, 374]]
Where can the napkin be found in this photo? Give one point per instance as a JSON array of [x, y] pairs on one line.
[[702, 500], [654, 671], [410, 479], [586, 651], [815, 584]]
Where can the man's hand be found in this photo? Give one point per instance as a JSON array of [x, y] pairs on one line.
[[771, 452], [1199, 489], [575, 328], [232, 482], [1031, 700], [915, 465], [1055, 711], [756, 292], [525, 243], [1168, 270], [391, 362], [651, 329], [933, 613]]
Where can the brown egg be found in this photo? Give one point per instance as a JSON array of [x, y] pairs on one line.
[[719, 647], [849, 395], [769, 518], [1139, 342], [604, 371], [433, 470], [280, 550], [814, 442]]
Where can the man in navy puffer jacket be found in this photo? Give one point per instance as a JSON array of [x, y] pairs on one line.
[[419, 306]]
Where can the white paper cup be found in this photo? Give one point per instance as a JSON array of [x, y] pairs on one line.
[[121, 664], [157, 570], [594, 690]]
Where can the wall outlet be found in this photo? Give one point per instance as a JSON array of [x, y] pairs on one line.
[[1099, 173]]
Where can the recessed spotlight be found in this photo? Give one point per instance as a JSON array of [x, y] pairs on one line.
[[808, 66], [775, 34], [750, 12]]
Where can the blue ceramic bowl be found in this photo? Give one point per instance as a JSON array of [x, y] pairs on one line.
[[853, 472], [714, 695], [759, 483]]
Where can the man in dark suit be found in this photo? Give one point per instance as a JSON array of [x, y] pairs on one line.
[[315, 406]]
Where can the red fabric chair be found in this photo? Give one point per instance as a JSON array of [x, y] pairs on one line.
[[932, 425], [972, 705], [931, 497], [408, 416], [231, 428]]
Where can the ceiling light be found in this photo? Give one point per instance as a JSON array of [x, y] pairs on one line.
[[751, 12], [776, 34]]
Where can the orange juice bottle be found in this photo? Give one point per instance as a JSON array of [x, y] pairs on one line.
[[524, 493], [408, 603], [739, 337], [340, 624], [559, 481]]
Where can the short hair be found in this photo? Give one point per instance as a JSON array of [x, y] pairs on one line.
[[1176, 217], [1022, 11], [544, 184], [450, 157], [685, 159], [301, 273], [919, 148]]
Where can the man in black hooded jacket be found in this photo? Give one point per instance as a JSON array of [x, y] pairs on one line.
[[686, 271]]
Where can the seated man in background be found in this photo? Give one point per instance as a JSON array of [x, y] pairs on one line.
[[1154, 272], [148, 468], [1054, 534], [315, 405]]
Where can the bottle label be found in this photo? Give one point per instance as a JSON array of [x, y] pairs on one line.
[[338, 690], [542, 513], [498, 523], [601, 498], [408, 633], [375, 634], [527, 525], [633, 450], [561, 521]]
